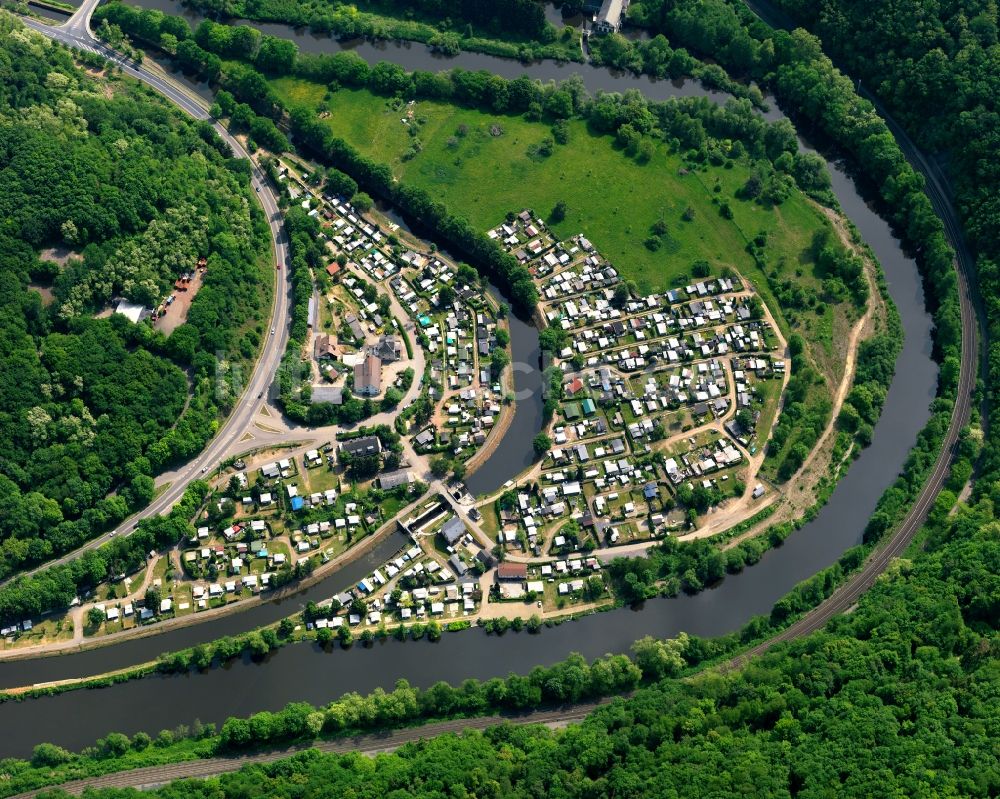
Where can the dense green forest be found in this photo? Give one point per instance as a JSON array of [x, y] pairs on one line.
[[895, 699], [105, 193], [937, 67]]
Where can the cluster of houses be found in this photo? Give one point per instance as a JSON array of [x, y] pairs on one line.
[[591, 482], [459, 336], [458, 332], [461, 548], [518, 581], [366, 362], [349, 233], [637, 369], [12, 630], [699, 461], [367, 247], [231, 550], [645, 334], [412, 586], [527, 238], [131, 611]]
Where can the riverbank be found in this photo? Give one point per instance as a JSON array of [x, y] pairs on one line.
[[716, 607], [368, 743], [319, 575]]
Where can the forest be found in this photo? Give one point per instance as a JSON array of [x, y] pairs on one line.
[[106, 193], [937, 67], [896, 699]]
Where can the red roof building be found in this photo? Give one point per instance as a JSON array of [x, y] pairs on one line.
[[512, 572]]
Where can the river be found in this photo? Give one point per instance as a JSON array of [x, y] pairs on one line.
[[417, 56], [52, 14], [515, 452], [302, 672]]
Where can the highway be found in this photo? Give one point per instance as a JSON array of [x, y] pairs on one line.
[[76, 33]]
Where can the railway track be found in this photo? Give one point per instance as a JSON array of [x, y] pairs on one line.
[[938, 190], [369, 744], [839, 602]]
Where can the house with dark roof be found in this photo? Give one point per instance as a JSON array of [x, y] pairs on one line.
[[453, 531], [388, 349], [391, 480], [357, 329], [365, 445]]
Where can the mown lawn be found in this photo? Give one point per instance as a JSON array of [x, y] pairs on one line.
[[612, 199]]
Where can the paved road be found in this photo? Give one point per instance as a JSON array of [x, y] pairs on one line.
[[371, 745], [76, 33]]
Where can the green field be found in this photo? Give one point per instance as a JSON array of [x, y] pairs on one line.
[[483, 166], [612, 198]]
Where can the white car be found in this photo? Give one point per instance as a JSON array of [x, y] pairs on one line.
[[272, 331]]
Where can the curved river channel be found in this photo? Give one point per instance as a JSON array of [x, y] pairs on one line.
[[302, 672]]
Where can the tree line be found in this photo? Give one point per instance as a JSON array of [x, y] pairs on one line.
[[936, 66], [54, 588], [507, 28], [894, 698], [128, 195]]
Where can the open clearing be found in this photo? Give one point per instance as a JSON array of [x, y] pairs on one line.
[[483, 165], [611, 197], [176, 313]]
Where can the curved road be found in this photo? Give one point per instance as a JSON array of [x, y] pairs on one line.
[[76, 33]]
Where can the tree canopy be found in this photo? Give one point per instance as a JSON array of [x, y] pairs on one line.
[[106, 193]]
